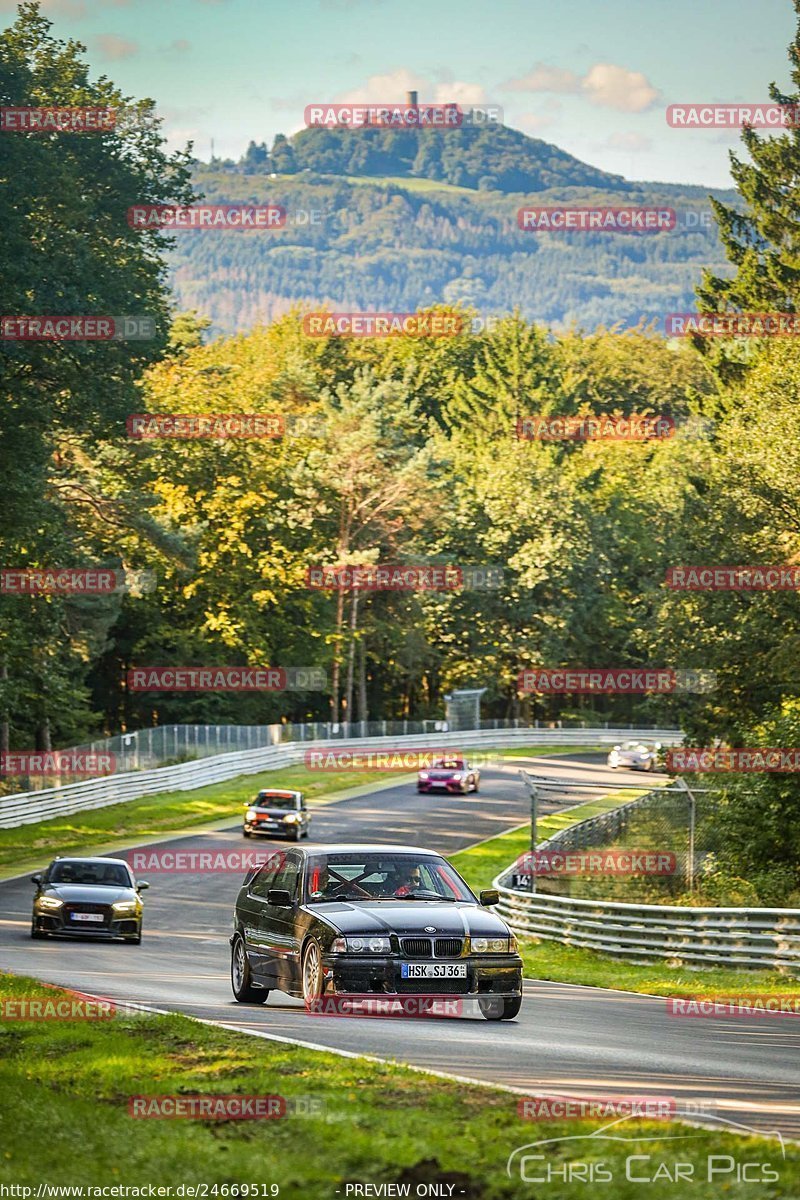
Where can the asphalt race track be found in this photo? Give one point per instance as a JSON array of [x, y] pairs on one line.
[[567, 1040]]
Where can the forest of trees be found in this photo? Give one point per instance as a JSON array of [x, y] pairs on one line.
[[417, 462]]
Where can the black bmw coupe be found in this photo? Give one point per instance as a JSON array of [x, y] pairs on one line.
[[379, 920]]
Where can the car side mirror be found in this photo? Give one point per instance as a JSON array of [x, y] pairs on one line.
[[279, 897], [489, 896], [36, 879], [142, 885]]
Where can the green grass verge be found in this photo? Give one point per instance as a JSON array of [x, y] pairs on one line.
[[483, 863], [371, 1123], [170, 811], [546, 959]]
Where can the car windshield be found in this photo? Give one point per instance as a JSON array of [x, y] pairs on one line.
[[639, 747], [448, 764], [270, 800], [365, 876], [92, 874]]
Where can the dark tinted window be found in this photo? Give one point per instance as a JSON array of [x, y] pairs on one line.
[[286, 877], [90, 873]]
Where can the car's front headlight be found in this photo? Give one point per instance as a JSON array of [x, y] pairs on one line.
[[124, 906], [250, 815], [494, 945], [50, 902], [423, 775], [361, 945], [291, 818], [457, 775]]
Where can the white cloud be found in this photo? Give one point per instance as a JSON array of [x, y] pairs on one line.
[[391, 86], [610, 86], [458, 92], [113, 47], [545, 79], [605, 85]]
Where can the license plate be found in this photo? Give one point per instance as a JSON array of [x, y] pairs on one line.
[[88, 917], [433, 970]]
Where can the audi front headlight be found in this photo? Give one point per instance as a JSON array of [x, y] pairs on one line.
[[493, 945], [50, 902], [124, 906], [250, 815]]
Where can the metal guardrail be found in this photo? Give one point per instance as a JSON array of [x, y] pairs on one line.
[[27, 808], [768, 938], [742, 937]]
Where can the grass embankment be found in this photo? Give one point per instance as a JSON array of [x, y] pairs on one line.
[[69, 1122], [168, 812], [546, 959]]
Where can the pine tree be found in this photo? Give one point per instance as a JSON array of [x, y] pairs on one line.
[[763, 241]]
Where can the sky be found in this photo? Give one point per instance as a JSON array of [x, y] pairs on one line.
[[592, 76]]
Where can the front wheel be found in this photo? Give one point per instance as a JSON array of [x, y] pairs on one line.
[[312, 974], [241, 977], [246, 833], [650, 765], [498, 1009]]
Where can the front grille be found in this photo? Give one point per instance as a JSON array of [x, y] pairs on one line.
[[103, 909], [448, 947], [419, 947]]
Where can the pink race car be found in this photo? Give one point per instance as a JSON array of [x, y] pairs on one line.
[[449, 775]]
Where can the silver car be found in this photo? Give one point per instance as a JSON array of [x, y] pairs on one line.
[[636, 756]]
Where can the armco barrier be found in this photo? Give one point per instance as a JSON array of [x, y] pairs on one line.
[[744, 937], [27, 808], [741, 937]]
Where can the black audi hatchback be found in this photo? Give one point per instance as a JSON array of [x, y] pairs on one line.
[[386, 920], [88, 897]]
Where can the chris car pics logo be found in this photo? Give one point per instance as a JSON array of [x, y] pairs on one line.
[[617, 1153]]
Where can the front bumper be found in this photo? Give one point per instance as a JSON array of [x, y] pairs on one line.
[[269, 830], [487, 975], [441, 785], [116, 927]]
